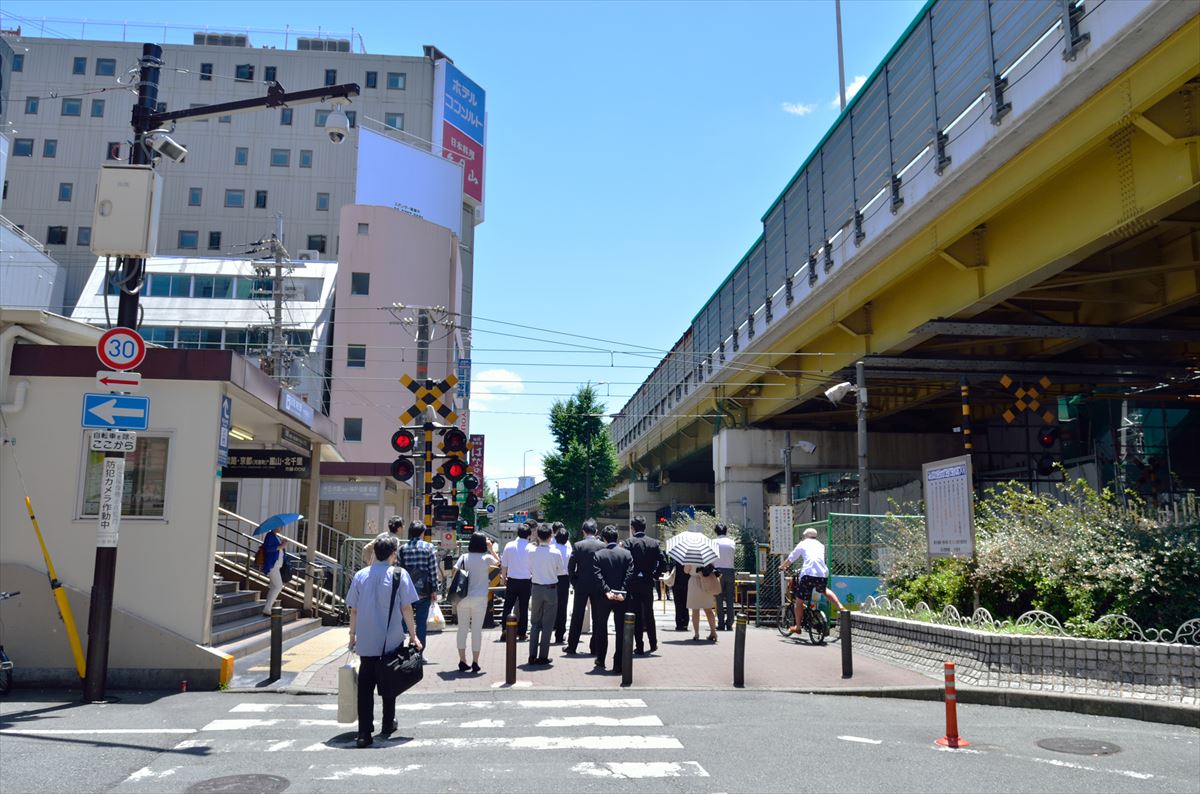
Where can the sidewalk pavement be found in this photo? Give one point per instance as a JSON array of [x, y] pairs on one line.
[[772, 662]]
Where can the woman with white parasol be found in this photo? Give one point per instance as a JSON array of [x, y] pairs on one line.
[[695, 552]]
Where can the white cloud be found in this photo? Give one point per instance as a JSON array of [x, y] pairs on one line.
[[493, 386], [797, 108], [851, 89]]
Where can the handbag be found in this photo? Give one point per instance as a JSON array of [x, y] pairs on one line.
[[711, 584], [347, 702], [404, 666], [459, 584], [669, 579]]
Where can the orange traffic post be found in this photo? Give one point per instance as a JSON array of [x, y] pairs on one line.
[[951, 738]]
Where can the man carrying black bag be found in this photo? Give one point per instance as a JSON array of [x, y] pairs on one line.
[[375, 593]]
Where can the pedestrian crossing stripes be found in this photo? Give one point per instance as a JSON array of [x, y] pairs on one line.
[[538, 729]]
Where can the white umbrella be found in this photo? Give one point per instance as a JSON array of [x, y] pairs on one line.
[[691, 548]]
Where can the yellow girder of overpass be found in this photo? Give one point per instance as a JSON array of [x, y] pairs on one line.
[[1111, 169]]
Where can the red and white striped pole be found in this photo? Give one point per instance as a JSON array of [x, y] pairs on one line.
[[951, 738]]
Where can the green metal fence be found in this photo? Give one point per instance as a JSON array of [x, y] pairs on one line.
[[860, 545]]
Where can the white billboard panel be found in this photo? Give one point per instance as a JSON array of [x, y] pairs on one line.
[[394, 174]]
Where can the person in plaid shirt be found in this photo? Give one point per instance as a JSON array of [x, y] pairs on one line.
[[419, 558]]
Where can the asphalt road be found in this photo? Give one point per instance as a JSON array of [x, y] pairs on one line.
[[535, 740]]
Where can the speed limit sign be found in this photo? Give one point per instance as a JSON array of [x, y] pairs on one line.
[[121, 348]]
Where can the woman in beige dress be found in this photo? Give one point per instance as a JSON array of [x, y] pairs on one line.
[[703, 587]]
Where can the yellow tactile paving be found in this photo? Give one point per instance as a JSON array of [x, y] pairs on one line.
[[300, 657]]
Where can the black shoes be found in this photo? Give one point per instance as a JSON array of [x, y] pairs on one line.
[[463, 667], [474, 667], [364, 740], [544, 660], [599, 664], [390, 727]]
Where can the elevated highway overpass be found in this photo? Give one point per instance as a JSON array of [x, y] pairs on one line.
[[1007, 215]]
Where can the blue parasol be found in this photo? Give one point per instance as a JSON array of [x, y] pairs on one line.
[[276, 521]]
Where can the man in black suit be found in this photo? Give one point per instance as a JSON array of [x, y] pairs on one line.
[[679, 591], [581, 572], [647, 565], [613, 571]]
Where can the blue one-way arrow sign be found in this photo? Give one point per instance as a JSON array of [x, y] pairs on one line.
[[116, 411]]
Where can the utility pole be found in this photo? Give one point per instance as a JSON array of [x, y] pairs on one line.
[[837, 10], [277, 346], [864, 486], [427, 419], [787, 468]]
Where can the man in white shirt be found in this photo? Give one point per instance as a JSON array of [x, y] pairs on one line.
[[514, 574], [814, 574], [725, 547], [545, 566]]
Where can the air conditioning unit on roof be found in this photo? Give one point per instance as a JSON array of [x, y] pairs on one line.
[[309, 254]]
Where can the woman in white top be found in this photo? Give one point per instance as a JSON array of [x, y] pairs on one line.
[[472, 609]]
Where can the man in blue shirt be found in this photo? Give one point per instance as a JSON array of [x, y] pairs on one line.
[[419, 558], [375, 629]]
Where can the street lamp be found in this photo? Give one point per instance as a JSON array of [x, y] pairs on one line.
[[835, 394], [523, 454]]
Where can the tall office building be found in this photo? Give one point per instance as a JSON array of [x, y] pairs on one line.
[[66, 109]]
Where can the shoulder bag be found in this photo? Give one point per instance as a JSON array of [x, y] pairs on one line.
[[404, 665], [459, 584]]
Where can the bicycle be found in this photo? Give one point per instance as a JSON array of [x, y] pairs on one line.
[[6, 665], [814, 621]]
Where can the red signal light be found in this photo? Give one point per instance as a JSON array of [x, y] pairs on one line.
[[403, 441], [402, 469], [454, 440], [455, 470], [1048, 436]]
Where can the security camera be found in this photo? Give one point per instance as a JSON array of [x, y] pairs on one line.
[[835, 393], [807, 447], [337, 126], [165, 145]]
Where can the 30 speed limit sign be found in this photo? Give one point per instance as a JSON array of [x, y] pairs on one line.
[[121, 348]]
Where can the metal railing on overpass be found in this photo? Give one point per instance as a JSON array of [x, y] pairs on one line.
[[956, 57]]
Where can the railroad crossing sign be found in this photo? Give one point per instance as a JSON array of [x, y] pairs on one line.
[[428, 395], [1027, 399]]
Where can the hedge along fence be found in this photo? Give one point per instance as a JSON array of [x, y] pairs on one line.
[[1168, 672]]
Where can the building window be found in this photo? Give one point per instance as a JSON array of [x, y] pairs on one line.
[[112, 150], [394, 120], [206, 72], [281, 157], [396, 81], [360, 283], [195, 196], [285, 117], [260, 199], [165, 285], [372, 79], [189, 239], [79, 66], [31, 106], [316, 242], [241, 155], [331, 77], [224, 119], [97, 108], [214, 241], [56, 235], [50, 147], [65, 189], [18, 63], [269, 74], [244, 72], [72, 106], [352, 117], [235, 199], [158, 336], [83, 236], [306, 158], [321, 117], [356, 356], [228, 497], [322, 202], [364, 229], [23, 147], [212, 287], [106, 67], [144, 494], [351, 429]]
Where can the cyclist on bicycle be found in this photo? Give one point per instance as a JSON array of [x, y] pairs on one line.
[[814, 574]]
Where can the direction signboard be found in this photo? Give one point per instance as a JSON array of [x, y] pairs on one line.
[[116, 411], [949, 507], [118, 381], [121, 348], [266, 464], [113, 441], [223, 432]]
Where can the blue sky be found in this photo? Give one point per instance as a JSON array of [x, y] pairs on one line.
[[632, 150]]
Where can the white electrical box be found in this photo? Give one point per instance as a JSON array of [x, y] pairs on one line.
[[125, 221]]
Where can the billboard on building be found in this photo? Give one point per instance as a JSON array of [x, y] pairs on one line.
[[394, 174], [460, 125]]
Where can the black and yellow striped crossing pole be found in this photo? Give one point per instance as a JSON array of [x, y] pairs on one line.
[[965, 390], [428, 469]]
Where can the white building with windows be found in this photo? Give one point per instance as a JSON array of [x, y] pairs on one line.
[[67, 109]]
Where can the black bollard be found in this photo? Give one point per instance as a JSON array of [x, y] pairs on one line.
[[510, 650], [276, 641], [739, 651], [844, 631], [627, 650]]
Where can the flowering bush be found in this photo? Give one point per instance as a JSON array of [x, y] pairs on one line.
[[1074, 552]]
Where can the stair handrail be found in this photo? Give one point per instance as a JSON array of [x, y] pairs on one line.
[[296, 543]]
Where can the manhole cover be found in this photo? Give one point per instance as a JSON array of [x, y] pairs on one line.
[[1078, 746], [240, 784]]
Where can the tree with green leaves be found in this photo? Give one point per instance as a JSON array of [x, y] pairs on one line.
[[584, 464]]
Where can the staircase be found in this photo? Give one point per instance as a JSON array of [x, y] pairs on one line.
[[238, 626]]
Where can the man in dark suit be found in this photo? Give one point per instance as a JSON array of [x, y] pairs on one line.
[[647, 565], [679, 591], [581, 572], [613, 571]]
